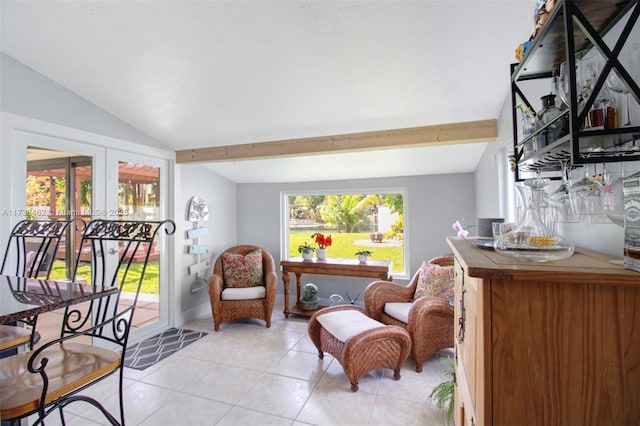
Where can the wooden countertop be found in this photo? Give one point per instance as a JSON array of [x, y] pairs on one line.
[[583, 267]]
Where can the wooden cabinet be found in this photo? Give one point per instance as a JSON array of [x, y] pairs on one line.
[[545, 343], [468, 310]]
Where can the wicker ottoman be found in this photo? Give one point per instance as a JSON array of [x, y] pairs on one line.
[[361, 344]]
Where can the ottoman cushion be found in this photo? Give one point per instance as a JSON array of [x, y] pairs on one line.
[[345, 324]]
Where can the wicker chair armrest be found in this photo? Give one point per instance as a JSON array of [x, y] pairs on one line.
[[431, 306], [215, 287], [271, 282], [380, 292], [428, 314]]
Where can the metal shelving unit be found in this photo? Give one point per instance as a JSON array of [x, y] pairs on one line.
[[572, 28]]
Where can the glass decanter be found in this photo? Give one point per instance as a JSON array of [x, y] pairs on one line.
[[532, 239]]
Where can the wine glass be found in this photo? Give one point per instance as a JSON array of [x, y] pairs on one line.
[[634, 57], [615, 83], [591, 65], [544, 205], [562, 84], [562, 199], [613, 198], [587, 194]]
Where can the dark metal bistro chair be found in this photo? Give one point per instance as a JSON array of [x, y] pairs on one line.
[[52, 376], [31, 251]]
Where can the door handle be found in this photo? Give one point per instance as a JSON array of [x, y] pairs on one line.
[[112, 251]]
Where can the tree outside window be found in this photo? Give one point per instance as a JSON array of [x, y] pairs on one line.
[[366, 221]]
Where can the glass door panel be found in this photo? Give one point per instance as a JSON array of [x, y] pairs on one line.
[[138, 198], [139, 193], [59, 187]]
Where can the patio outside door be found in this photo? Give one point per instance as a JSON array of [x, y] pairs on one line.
[[136, 190], [69, 179]]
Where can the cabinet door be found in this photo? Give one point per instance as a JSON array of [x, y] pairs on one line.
[[467, 349]]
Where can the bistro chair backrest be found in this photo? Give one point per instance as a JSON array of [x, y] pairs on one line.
[[114, 253], [33, 246], [56, 374], [30, 253]]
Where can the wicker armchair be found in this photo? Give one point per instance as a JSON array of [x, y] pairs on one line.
[[430, 325], [225, 308]]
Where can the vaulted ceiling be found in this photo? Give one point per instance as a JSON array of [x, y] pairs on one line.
[[197, 74]]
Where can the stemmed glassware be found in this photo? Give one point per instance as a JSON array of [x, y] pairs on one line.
[[587, 194], [613, 199], [544, 204], [629, 57], [615, 83], [634, 59], [562, 199], [590, 68], [562, 83]]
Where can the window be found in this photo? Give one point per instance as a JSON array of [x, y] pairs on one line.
[[363, 220]]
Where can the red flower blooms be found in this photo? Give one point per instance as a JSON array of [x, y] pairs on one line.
[[321, 240]]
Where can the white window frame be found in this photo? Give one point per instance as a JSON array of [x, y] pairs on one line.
[[284, 215]]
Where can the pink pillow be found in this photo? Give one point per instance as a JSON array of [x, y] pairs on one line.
[[242, 271], [433, 279]]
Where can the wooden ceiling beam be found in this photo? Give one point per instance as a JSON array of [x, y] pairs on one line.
[[445, 134]]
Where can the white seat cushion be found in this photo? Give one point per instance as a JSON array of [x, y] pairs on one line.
[[398, 310], [246, 293], [346, 324]]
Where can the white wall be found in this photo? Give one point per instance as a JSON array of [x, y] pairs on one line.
[[34, 105], [30, 94], [491, 200], [220, 195], [434, 203]]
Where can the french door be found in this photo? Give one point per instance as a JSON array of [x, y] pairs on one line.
[[136, 189], [100, 182]]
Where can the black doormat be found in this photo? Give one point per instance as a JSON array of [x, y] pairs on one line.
[[157, 348]]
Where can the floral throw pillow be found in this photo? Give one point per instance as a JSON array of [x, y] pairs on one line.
[[241, 271], [433, 279]]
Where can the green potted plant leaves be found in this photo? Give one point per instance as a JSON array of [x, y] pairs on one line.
[[363, 255], [306, 251]]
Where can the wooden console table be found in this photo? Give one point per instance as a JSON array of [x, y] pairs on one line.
[[378, 269]]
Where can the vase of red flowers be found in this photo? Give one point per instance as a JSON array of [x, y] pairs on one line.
[[323, 242]]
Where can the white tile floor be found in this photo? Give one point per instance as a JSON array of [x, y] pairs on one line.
[[246, 374]]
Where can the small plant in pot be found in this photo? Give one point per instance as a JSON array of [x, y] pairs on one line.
[[306, 251], [309, 299], [363, 255]]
